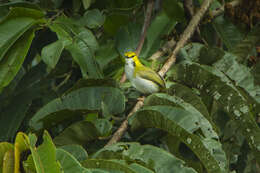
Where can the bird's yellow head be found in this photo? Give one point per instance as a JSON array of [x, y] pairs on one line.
[[131, 56]]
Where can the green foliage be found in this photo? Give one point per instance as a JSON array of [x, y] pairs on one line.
[[60, 67]]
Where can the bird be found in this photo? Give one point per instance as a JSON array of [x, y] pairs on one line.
[[143, 78]]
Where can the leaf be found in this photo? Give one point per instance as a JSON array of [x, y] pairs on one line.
[[5, 147], [183, 124], [245, 47], [190, 96], [114, 21], [14, 25], [76, 151], [127, 38], [86, 3], [78, 133], [93, 18], [14, 58], [165, 99], [82, 55], [108, 165], [147, 155], [216, 85], [161, 25], [68, 162], [51, 53], [105, 54], [8, 162], [20, 146], [78, 101], [103, 126], [227, 31], [174, 10], [44, 156]]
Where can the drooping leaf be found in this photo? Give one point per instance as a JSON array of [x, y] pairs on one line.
[[51, 53], [68, 162], [114, 21], [174, 10], [110, 165], [78, 133], [216, 85], [227, 31], [183, 124], [77, 151], [165, 99], [78, 102], [94, 18], [14, 58], [14, 25], [127, 38], [161, 25], [149, 156]]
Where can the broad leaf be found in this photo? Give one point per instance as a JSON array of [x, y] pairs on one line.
[[183, 124], [216, 85], [78, 102], [5, 147], [151, 157], [93, 18]]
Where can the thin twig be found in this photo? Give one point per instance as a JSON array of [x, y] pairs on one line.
[[147, 20], [184, 38]]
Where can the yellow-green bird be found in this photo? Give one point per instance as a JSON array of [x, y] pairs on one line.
[[144, 79]]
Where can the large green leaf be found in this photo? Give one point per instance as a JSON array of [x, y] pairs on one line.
[[17, 22], [78, 133], [109, 165], [14, 58], [165, 99], [51, 53], [149, 156], [78, 102], [216, 85], [174, 10], [44, 156], [94, 18], [68, 162], [189, 96], [227, 31], [76, 150], [161, 25], [183, 124], [8, 162], [127, 38]]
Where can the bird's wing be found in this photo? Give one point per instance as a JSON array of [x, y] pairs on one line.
[[151, 75]]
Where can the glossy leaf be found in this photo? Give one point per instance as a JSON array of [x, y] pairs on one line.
[[78, 133], [15, 24], [52, 52], [68, 162], [80, 101], [161, 25], [44, 156], [20, 146], [8, 162], [76, 151], [219, 87], [94, 18], [151, 157], [14, 58]]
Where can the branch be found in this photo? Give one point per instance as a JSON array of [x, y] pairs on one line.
[[184, 38], [147, 20]]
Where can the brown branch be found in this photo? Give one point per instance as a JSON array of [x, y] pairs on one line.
[[167, 48], [184, 38], [217, 12], [147, 20]]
